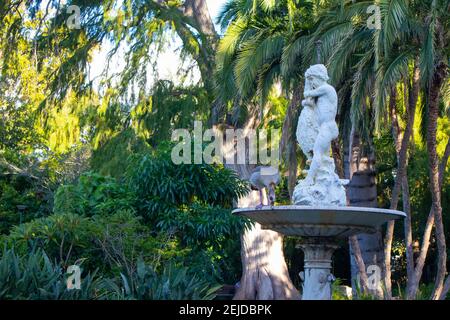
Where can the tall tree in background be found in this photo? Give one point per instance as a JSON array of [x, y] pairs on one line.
[[408, 53]]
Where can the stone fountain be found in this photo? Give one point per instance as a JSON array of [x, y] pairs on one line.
[[319, 213]]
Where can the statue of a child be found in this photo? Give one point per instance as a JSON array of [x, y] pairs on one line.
[[325, 97]]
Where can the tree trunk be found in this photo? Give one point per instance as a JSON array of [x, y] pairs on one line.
[[401, 147], [433, 160], [337, 157], [410, 96], [198, 12], [408, 233], [362, 192], [420, 261], [194, 14], [445, 289], [265, 274], [361, 266]]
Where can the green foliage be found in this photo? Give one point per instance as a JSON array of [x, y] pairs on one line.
[[193, 203], [169, 107], [23, 196], [65, 237], [193, 200], [34, 277], [93, 195], [106, 243], [162, 213], [112, 157], [163, 187], [155, 210], [418, 178], [174, 283], [337, 292], [250, 57], [423, 293]]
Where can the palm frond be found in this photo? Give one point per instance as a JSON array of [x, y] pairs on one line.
[[225, 60], [253, 55], [395, 20], [346, 52], [266, 80], [293, 57], [428, 54], [388, 75], [363, 82]]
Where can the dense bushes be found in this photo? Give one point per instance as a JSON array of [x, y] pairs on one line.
[[173, 283], [35, 277], [192, 203], [94, 195], [21, 201], [105, 243], [160, 232]]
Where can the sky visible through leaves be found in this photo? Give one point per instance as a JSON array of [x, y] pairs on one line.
[[169, 62]]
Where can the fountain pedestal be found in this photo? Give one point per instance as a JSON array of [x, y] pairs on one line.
[[317, 275], [320, 228]]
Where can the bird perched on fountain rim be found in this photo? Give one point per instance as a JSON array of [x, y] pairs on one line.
[[265, 177]]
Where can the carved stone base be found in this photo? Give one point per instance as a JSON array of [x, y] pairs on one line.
[[317, 277], [326, 190]]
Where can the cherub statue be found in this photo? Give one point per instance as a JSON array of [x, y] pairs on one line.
[[316, 130], [326, 108]]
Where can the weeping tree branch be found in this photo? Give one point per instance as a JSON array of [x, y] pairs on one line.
[[14, 170]]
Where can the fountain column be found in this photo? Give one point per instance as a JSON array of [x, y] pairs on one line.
[[317, 277]]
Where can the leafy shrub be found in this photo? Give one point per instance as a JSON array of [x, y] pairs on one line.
[[93, 195], [35, 277], [174, 283], [105, 243], [161, 184], [337, 291], [161, 213], [111, 158], [194, 203], [62, 236], [18, 192]]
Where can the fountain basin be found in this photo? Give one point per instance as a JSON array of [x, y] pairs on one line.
[[324, 221]]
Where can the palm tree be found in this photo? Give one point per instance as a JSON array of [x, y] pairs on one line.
[[413, 46], [409, 47], [434, 68], [249, 62], [259, 47]]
